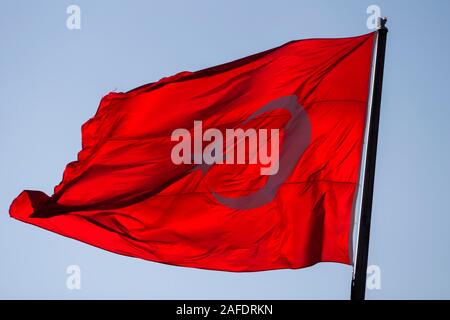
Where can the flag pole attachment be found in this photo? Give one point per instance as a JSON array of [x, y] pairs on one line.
[[358, 290]]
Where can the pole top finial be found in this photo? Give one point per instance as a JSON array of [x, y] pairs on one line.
[[382, 23]]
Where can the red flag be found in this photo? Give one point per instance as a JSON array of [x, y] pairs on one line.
[[250, 165]]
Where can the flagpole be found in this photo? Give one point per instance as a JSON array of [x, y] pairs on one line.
[[358, 290]]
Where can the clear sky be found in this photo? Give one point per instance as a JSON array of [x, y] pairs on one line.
[[52, 79]]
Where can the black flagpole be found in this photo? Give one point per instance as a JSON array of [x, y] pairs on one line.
[[359, 276]]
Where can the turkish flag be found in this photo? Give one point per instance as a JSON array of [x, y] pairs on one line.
[[247, 166]]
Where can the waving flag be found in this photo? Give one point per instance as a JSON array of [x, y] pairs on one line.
[[247, 166]]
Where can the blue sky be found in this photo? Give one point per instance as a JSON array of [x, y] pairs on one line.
[[52, 79]]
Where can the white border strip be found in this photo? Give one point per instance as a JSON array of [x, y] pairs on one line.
[[358, 204]]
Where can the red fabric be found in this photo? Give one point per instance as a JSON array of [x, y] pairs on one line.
[[125, 195]]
